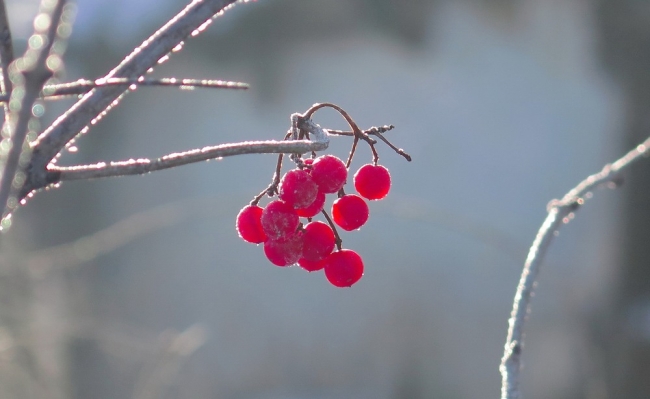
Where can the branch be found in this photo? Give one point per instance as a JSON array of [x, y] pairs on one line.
[[83, 86], [93, 105], [6, 54], [143, 166], [35, 72], [559, 212]]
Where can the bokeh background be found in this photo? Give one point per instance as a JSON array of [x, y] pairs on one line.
[[139, 287]]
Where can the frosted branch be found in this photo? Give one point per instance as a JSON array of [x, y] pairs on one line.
[[169, 38], [35, 72], [6, 54], [143, 166], [558, 214]]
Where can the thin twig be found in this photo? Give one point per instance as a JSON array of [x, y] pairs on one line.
[[371, 131], [143, 166], [83, 86], [190, 21], [558, 213], [35, 73]]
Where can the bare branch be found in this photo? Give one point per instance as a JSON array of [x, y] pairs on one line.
[[558, 213], [143, 166], [35, 72], [93, 105], [83, 86], [6, 54]]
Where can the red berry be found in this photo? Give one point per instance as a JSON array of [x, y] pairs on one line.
[[343, 268], [279, 219], [372, 181], [298, 189], [329, 173], [318, 241], [315, 207], [350, 212], [311, 266], [249, 224], [285, 251]]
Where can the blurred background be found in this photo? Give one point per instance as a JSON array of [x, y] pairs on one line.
[[139, 287]]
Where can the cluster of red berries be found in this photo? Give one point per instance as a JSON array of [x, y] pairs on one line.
[[301, 193]]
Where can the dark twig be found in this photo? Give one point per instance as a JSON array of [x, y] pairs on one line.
[[82, 86], [559, 212], [371, 131], [35, 72], [397, 150], [375, 131]]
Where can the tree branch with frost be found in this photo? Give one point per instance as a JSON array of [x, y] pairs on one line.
[[28, 75], [191, 21], [6, 55], [559, 212], [143, 166], [93, 105], [319, 141]]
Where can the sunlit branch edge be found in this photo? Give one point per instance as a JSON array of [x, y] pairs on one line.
[[558, 211]]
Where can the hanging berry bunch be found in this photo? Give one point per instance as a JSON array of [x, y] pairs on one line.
[[301, 193]]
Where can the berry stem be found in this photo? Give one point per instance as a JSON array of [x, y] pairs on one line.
[[352, 150], [338, 241], [397, 150], [272, 189]]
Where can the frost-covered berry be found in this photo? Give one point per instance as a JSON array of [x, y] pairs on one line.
[[284, 251], [343, 268], [329, 173], [315, 207], [249, 224], [372, 181], [298, 189], [279, 219], [350, 212]]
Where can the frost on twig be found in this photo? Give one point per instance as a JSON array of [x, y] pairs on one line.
[[559, 212], [83, 86]]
